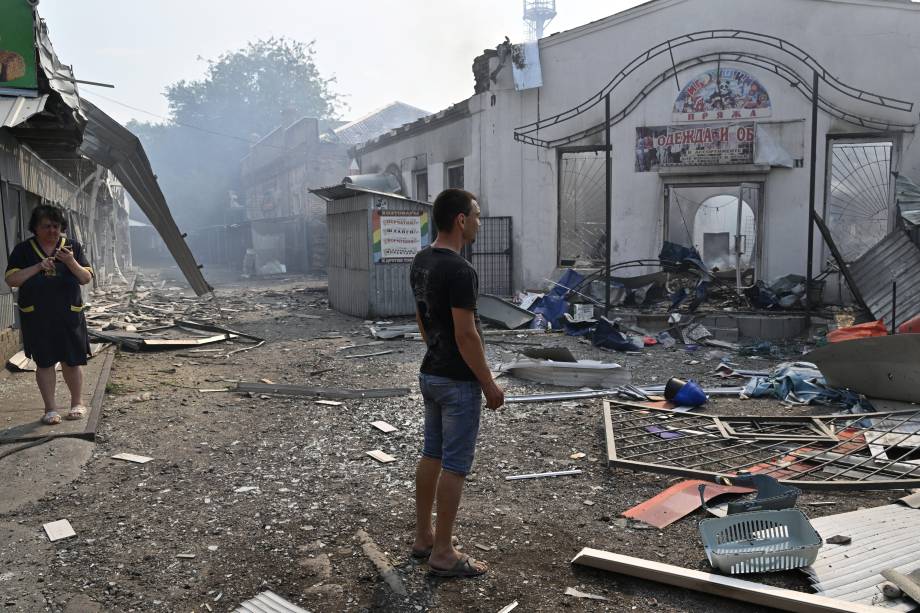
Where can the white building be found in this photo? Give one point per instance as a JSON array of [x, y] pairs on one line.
[[708, 98]]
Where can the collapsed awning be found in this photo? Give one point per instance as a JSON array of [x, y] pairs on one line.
[[109, 144], [14, 111]]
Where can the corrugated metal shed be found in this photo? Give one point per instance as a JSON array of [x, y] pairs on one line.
[[268, 602], [14, 111], [883, 537], [895, 257], [358, 285]]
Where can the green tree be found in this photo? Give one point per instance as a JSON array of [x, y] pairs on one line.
[[196, 154]]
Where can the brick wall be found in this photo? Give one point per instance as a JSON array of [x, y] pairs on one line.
[[9, 344]]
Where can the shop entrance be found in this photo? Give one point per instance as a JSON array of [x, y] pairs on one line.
[[722, 221]]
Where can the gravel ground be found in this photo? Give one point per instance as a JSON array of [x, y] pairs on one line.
[[314, 487]]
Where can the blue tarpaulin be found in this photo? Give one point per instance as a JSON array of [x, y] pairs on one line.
[[803, 383]]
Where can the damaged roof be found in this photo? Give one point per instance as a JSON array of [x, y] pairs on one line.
[[377, 122]]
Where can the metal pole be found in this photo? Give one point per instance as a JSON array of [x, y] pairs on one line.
[[811, 195], [608, 166], [894, 302], [738, 242]]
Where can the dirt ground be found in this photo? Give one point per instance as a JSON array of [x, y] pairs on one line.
[[315, 487]]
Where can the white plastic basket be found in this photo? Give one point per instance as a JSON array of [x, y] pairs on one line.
[[760, 541]]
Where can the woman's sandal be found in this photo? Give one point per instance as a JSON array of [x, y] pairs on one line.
[[51, 418], [77, 412]]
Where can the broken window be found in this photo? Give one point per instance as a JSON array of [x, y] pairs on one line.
[[421, 186], [859, 195], [582, 219], [455, 175]]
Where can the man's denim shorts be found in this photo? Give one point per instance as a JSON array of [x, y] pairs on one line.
[[452, 409]]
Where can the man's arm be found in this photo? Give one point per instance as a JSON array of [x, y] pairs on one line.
[[421, 328], [471, 349]]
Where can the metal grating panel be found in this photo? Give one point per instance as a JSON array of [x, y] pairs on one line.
[[491, 256], [895, 258], [883, 537], [7, 318]]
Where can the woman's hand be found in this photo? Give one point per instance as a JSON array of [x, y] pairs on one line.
[[46, 265], [66, 256]]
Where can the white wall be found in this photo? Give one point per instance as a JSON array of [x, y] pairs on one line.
[[869, 44]]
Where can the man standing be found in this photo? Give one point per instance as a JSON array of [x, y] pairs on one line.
[[453, 378]]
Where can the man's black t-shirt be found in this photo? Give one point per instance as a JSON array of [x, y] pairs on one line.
[[442, 280]]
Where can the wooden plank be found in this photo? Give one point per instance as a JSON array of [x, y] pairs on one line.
[[384, 426], [907, 583], [130, 457], [718, 585], [608, 434], [58, 530], [380, 456]]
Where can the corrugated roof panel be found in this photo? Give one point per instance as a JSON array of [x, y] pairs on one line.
[[895, 257], [14, 111], [883, 537], [378, 122], [268, 602]]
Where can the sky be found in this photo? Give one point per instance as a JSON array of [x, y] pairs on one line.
[[416, 51]]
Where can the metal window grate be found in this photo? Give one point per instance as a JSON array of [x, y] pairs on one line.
[[582, 217], [491, 255], [865, 451]]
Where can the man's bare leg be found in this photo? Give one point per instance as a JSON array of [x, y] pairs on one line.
[[450, 488], [46, 379], [426, 483]]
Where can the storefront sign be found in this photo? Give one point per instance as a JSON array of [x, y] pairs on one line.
[[703, 145], [399, 235], [735, 94], [17, 46]]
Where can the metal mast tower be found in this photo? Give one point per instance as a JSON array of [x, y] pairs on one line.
[[537, 14]]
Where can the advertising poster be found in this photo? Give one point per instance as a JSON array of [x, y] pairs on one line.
[[726, 94], [17, 46], [399, 235], [703, 145]]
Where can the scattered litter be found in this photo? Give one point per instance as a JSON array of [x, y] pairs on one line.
[[482, 547], [330, 403], [509, 608], [58, 530], [684, 393], [839, 539], [571, 591], [384, 426], [771, 495], [696, 333], [890, 590], [268, 381], [246, 488], [577, 456], [391, 332], [380, 456], [370, 344], [186, 556], [380, 561], [760, 541], [130, 457], [266, 601], [560, 473]]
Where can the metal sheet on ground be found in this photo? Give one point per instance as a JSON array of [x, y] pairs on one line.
[[21, 406], [883, 366], [268, 602], [882, 538], [677, 501]]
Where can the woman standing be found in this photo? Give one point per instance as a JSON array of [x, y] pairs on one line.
[[49, 269]]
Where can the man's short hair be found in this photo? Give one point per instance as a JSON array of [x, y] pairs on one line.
[[450, 203], [50, 212]]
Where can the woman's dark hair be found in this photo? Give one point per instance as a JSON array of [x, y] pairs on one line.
[[450, 203], [51, 213]]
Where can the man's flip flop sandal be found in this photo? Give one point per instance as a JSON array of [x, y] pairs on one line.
[[462, 568], [51, 418], [76, 412]]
